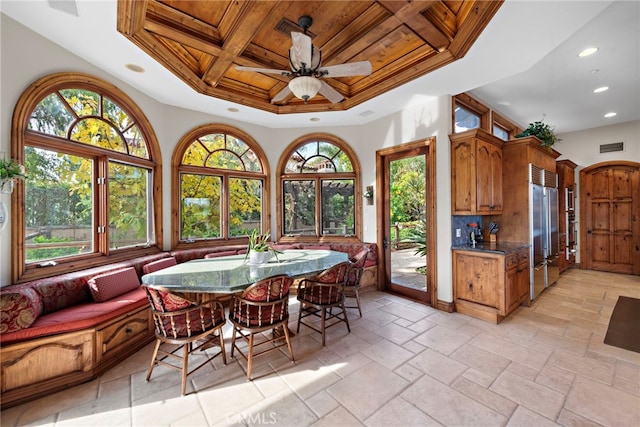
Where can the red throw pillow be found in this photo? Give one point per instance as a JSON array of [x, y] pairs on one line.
[[19, 309], [110, 285]]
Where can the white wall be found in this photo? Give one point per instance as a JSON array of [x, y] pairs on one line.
[[432, 118], [583, 148]]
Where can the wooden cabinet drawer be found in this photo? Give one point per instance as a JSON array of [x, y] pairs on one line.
[[512, 261], [133, 327], [523, 258]]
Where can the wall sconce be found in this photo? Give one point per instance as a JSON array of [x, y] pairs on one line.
[[368, 194]]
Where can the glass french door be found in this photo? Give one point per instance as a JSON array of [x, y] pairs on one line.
[[405, 221]]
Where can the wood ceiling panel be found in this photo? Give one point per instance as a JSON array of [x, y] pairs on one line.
[[202, 43]]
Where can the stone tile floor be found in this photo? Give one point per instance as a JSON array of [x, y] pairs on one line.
[[403, 364]]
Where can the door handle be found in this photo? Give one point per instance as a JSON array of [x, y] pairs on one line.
[[385, 243]]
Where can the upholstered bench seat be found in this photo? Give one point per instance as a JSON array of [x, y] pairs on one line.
[[78, 317]]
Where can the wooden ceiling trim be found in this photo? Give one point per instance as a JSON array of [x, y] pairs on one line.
[[201, 42], [256, 56], [131, 16], [208, 11], [238, 35], [444, 18], [182, 23], [476, 22], [348, 42], [157, 49], [182, 54], [375, 35], [410, 13]]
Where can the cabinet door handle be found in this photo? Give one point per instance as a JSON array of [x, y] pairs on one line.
[[470, 286]]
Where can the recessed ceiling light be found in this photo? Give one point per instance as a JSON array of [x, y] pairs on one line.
[[601, 89], [135, 68], [611, 114], [314, 119], [588, 51], [233, 109]]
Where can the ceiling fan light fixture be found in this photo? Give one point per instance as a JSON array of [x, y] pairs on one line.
[[305, 87]]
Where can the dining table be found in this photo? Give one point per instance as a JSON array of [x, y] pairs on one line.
[[234, 273]]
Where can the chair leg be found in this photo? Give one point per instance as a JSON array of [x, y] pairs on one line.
[[358, 301], [153, 358], [300, 310], [222, 350], [346, 319], [233, 341], [324, 331], [285, 328], [250, 355], [185, 367]]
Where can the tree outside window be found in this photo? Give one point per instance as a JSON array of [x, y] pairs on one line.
[[318, 190], [222, 185], [89, 187]]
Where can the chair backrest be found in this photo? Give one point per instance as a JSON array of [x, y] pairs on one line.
[[357, 266], [334, 275], [360, 258], [165, 302], [159, 265], [270, 289]]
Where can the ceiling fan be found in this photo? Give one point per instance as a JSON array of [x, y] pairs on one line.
[[307, 72]]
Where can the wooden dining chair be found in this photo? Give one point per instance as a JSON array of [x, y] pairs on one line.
[[352, 284], [189, 325], [319, 295], [261, 307]]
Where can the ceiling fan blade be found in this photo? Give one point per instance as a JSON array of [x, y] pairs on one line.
[[330, 93], [300, 51], [262, 70], [362, 68], [281, 95]]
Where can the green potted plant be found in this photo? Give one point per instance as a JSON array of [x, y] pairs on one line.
[[10, 170], [542, 131], [258, 250]]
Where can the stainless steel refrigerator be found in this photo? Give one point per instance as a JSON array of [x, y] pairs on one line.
[[543, 220]]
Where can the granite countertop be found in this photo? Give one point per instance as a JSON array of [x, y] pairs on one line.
[[497, 247]]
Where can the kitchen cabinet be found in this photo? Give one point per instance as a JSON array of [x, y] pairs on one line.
[[476, 173], [490, 285], [515, 222], [566, 214]]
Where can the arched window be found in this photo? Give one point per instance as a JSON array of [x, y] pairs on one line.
[[91, 159], [319, 190], [220, 186]]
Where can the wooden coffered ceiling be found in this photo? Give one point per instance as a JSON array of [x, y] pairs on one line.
[[202, 42]]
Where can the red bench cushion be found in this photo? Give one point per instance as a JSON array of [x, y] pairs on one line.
[[79, 317]]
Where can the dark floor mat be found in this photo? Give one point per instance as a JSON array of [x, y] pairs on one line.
[[624, 326]]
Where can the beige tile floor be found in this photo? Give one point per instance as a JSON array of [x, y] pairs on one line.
[[403, 364]]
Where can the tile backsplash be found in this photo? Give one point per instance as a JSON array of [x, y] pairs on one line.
[[461, 222]]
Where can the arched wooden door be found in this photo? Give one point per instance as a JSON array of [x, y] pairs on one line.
[[610, 215]]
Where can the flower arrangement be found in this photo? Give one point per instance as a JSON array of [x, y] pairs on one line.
[[10, 169], [260, 243], [542, 131]]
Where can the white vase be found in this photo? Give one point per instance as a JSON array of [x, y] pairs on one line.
[[6, 185], [259, 257]]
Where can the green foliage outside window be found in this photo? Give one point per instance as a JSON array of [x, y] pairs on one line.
[[203, 194]]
